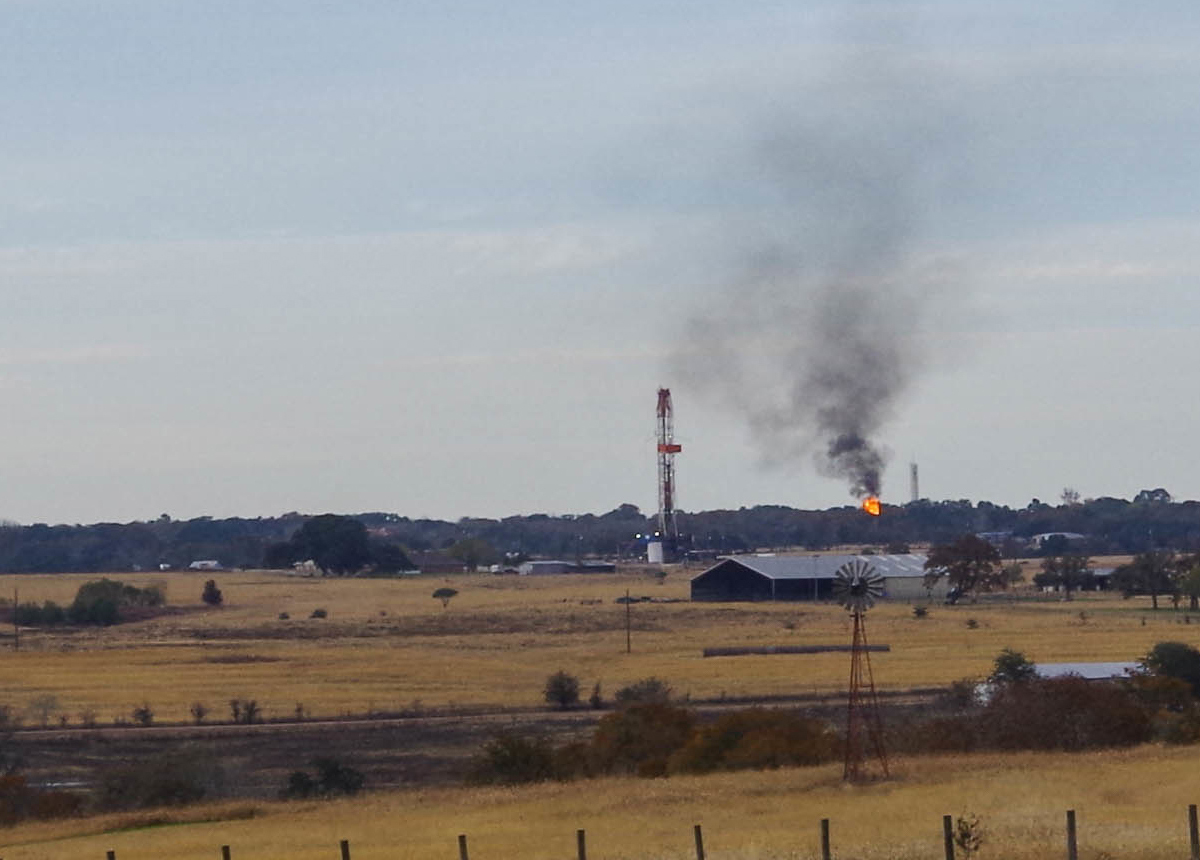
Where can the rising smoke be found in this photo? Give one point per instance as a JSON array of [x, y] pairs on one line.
[[819, 333]]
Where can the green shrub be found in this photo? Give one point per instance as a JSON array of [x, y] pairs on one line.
[[211, 595], [510, 758], [1175, 660], [561, 689], [101, 600]]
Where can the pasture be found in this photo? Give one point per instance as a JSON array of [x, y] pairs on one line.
[[387, 646], [1129, 804]]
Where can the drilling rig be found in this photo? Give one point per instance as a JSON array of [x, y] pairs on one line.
[[668, 527]]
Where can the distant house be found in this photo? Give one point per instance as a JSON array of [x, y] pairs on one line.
[[205, 564], [436, 562], [1039, 541], [808, 577], [549, 567]]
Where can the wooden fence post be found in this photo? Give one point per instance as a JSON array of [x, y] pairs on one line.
[[1072, 846], [345, 849], [948, 836], [462, 847], [581, 844], [699, 842], [825, 855], [1193, 831], [225, 852]]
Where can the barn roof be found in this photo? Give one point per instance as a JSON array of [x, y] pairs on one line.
[[1090, 671], [826, 566]]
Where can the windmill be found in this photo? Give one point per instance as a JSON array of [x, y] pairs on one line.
[[855, 586]]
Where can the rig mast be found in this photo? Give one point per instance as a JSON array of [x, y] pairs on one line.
[[667, 449]]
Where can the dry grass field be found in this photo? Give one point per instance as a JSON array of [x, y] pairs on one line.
[[387, 645], [1130, 805]]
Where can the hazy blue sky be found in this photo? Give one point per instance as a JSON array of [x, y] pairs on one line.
[[436, 258]]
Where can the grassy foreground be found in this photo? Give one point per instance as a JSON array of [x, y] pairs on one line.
[[1130, 805]]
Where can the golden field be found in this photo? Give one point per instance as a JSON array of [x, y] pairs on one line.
[[1129, 805], [387, 644]]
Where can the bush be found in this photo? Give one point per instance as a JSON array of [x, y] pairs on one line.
[[757, 738], [143, 715], [561, 689], [640, 738], [645, 690], [1064, 714], [333, 779], [510, 759], [20, 801], [46, 615], [1175, 660], [211, 594], [319, 613], [100, 601], [1012, 667], [178, 777]]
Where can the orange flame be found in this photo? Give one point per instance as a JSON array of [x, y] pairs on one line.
[[871, 506]]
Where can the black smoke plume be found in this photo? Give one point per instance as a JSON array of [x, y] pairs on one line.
[[819, 335]]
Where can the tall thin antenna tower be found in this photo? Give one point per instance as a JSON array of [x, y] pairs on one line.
[[667, 449], [913, 483]]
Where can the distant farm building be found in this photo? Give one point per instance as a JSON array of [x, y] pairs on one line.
[[205, 564], [1091, 671], [1068, 538], [807, 577], [542, 568]]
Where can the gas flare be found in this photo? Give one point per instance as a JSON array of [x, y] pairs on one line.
[[871, 505]]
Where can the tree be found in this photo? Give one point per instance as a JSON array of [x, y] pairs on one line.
[[1068, 572], [970, 564], [1189, 579], [1012, 667], [211, 594], [473, 552], [562, 690], [1157, 495], [1175, 660], [444, 595], [336, 544], [1150, 573]]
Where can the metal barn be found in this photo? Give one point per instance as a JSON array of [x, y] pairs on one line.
[[807, 577]]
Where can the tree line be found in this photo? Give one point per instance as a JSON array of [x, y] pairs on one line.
[[1150, 522]]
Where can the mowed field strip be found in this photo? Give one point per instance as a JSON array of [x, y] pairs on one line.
[[386, 645]]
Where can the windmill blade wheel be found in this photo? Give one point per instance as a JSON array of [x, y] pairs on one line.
[[856, 586]]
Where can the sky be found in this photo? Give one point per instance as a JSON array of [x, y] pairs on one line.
[[437, 258]]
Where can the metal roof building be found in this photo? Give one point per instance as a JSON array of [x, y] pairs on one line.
[[805, 577]]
